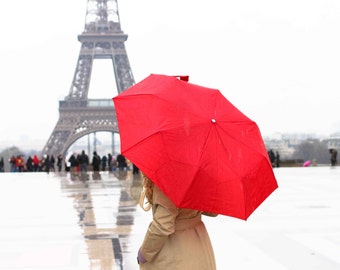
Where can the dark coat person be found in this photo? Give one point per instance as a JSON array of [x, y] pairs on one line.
[[74, 164], [95, 162], [104, 163], [121, 162], [334, 154], [29, 164], [83, 161], [2, 165], [59, 162]]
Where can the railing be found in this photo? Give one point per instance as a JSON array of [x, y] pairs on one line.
[[86, 103], [100, 103]]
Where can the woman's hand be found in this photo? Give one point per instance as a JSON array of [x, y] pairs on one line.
[[209, 214], [140, 258]]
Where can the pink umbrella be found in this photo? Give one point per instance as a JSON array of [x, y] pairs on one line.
[[307, 163]]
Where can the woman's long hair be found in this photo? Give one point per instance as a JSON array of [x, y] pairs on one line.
[[147, 192]]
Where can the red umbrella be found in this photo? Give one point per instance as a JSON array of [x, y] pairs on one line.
[[196, 146]]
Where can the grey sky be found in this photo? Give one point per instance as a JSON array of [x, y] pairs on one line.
[[277, 61]]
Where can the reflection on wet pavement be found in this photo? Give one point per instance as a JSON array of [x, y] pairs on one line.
[[106, 209], [55, 222]]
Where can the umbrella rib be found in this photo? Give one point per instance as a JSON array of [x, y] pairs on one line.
[[236, 139], [141, 141], [233, 168]]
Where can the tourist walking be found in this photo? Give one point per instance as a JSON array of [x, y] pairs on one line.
[[74, 164], [277, 159], [36, 163], [19, 161], [47, 164], [109, 161], [2, 165], [84, 162], [271, 155], [104, 161], [59, 162], [12, 162], [29, 164], [334, 154], [96, 166], [52, 163], [121, 162]]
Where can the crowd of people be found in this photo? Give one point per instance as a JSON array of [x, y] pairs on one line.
[[18, 163], [77, 164]]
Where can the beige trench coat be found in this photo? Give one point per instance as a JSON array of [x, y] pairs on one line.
[[176, 238]]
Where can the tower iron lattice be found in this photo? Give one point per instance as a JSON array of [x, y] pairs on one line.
[[102, 38]]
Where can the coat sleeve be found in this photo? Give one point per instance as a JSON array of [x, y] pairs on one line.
[[162, 225]]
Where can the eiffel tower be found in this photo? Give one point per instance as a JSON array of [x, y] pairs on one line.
[[78, 116]]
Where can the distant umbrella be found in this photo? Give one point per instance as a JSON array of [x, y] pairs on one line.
[[307, 163]]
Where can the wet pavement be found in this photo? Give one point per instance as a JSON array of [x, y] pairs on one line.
[[53, 222], [49, 221]]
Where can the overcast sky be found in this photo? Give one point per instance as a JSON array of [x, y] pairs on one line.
[[277, 61]]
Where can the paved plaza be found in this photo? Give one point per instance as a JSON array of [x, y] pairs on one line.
[[49, 221]]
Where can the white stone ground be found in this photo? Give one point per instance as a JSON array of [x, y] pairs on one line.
[[296, 228]]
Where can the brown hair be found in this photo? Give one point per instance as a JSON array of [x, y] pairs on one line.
[[147, 192]]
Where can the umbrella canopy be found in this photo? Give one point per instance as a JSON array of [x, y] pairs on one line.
[[196, 146]]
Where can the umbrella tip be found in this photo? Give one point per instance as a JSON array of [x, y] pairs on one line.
[[183, 78], [213, 120]]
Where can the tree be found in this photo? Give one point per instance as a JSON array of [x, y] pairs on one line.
[[312, 149]]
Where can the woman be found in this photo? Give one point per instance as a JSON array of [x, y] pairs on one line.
[[176, 238]]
